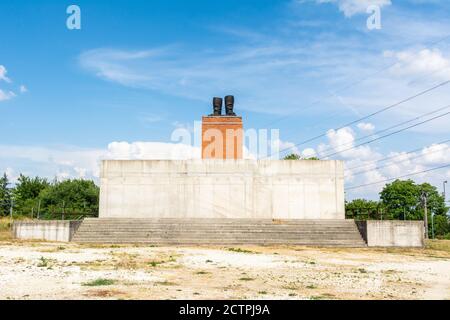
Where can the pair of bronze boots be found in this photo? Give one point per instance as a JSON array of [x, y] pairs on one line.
[[229, 106]]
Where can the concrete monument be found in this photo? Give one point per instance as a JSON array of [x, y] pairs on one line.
[[222, 184]]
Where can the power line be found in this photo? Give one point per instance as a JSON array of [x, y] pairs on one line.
[[390, 128], [387, 135], [396, 156], [345, 87], [401, 177], [391, 164], [370, 115]]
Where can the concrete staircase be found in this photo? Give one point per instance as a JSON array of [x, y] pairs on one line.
[[332, 233]]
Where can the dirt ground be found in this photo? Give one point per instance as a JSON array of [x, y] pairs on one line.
[[38, 270]]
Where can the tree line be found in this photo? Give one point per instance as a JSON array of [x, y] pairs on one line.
[[404, 200], [36, 196], [401, 200]]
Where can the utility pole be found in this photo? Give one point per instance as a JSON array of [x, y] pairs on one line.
[[39, 208], [432, 225], [63, 210], [445, 196], [11, 213], [425, 213]]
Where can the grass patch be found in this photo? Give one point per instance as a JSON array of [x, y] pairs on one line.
[[5, 231], [439, 245], [202, 272], [325, 296], [246, 279], [362, 270], [165, 283], [311, 286], [239, 250], [291, 286], [44, 263], [262, 292], [99, 282], [155, 263]]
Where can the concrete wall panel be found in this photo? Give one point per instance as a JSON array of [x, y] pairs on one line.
[[61, 231], [389, 233], [222, 189]]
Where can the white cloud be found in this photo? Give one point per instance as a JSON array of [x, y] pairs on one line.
[[341, 144], [273, 71], [280, 145], [110, 65], [368, 171], [366, 127], [23, 89], [75, 162], [10, 173], [3, 73], [6, 95], [436, 154], [341, 139], [151, 151], [50, 161], [426, 61], [309, 153], [353, 7]]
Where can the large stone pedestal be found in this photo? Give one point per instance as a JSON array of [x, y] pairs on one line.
[[222, 137], [245, 189]]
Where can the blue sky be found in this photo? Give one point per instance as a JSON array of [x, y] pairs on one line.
[[138, 70]]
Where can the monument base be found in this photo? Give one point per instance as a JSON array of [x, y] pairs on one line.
[[234, 189]]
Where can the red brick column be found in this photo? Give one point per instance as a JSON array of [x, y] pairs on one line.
[[222, 137]]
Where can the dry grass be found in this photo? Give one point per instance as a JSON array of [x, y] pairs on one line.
[[438, 245], [129, 272], [5, 231], [5, 227]]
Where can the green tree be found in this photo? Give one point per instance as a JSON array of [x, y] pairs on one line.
[[441, 226], [362, 208], [75, 196], [435, 200], [405, 198], [26, 193], [402, 200], [292, 156], [5, 195]]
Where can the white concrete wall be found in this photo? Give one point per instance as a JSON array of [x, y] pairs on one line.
[[222, 189], [44, 230], [390, 233]]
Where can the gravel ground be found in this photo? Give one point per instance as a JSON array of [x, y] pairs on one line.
[[35, 270]]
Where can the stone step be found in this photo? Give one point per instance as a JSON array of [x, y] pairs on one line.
[[342, 233], [162, 242], [214, 229], [219, 221], [200, 237], [213, 232]]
